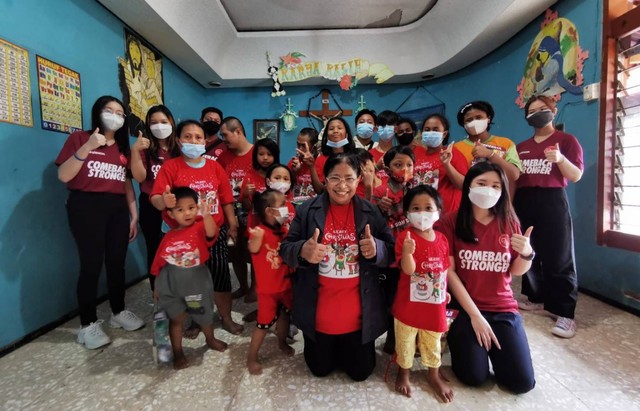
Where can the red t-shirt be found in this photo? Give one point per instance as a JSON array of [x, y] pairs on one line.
[[183, 247], [152, 168], [421, 300], [272, 274], [429, 170], [396, 220], [209, 181], [537, 171], [339, 309], [319, 165], [215, 150], [484, 267], [104, 170], [377, 156], [302, 187], [237, 168], [261, 185]]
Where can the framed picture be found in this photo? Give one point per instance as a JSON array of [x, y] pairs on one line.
[[266, 129]]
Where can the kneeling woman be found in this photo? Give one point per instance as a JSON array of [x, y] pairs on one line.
[[486, 248], [336, 243]]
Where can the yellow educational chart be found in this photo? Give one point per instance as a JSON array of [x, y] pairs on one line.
[[60, 97], [15, 88]]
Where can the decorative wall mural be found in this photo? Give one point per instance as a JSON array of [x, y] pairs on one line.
[[555, 61]]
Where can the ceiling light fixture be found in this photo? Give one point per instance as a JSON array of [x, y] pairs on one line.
[[214, 84], [428, 76]]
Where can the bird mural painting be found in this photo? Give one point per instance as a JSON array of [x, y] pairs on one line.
[[549, 77]]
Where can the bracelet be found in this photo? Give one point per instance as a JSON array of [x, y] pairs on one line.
[[529, 257], [75, 155]]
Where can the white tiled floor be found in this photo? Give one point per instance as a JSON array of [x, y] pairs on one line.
[[599, 369]]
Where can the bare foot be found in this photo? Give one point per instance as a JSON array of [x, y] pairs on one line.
[[232, 327], [217, 345], [402, 382], [180, 361], [440, 387], [251, 297], [287, 349], [254, 367], [240, 292], [192, 332], [251, 317]]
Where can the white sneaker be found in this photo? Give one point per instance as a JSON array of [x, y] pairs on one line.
[[565, 328], [527, 305], [127, 320], [92, 336]]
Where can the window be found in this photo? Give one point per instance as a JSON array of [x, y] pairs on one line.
[[619, 148]]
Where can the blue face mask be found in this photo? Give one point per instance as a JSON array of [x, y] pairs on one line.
[[192, 151], [432, 139], [364, 130], [386, 133], [337, 144]]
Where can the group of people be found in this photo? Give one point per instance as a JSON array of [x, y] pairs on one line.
[[357, 235]]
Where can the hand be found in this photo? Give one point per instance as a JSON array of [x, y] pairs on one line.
[[233, 231], [203, 207], [142, 143], [256, 232], [312, 250], [554, 155], [448, 298], [409, 245], [295, 164], [480, 151], [249, 188], [133, 230], [307, 156], [484, 333], [367, 176], [446, 154], [169, 198], [96, 140], [385, 202], [368, 244], [521, 244]]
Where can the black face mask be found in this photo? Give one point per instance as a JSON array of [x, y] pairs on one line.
[[540, 119], [404, 139], [211, 127]]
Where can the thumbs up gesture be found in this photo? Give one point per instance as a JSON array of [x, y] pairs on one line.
[[256, 233], [142, 143], [169, 198], [480, 150], [521, 242], [312, 250], [385, 202], [249, 188], [367, 244], [446, 154], [96, 140], [553, 154], [409, 245]]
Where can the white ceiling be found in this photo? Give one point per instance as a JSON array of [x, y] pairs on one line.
[[225, 41]]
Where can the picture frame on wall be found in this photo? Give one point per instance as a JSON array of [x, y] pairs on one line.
[[266, 129]]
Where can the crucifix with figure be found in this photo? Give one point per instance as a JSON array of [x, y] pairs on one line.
[[325, 114]]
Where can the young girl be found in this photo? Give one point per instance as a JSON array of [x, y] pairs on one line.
[[278, 178], [302, 184], [265, 153], [370, 179], [420, 304], [273, 285], [147, 156], [184, 283]]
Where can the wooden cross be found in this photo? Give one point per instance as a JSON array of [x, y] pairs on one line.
[[325, 114]]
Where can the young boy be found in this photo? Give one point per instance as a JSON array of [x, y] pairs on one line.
[[183, 283]]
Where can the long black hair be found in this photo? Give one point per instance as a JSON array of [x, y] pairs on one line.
[[172, 143], [503, 210], [445, 125], [270, 145], [328, 151], [122, 134]]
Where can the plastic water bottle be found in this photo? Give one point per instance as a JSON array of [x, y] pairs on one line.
[[161, 341]]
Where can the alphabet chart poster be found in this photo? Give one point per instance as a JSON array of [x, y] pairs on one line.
[[60, 97], [15, 88]]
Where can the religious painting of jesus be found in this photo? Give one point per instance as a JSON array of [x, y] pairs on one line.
[[266, 129]]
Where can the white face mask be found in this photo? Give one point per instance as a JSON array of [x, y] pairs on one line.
[[281, 186], [484, 197], [111, 121], [284, 214], [476, 127], [423, 220], [161, 131]]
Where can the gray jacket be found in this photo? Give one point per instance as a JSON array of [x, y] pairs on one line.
[[311, 215]]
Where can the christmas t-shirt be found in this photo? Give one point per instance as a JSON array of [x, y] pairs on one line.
[[103, 171], [537, 171], [396, 220], [377, 161], [504, 147], [429, 170], [209, 181], [484, 267], [237, 168], [339, 310], [421, 299], [215, 150], [302, 187], [152, 167], [183, 247], [272, 274]]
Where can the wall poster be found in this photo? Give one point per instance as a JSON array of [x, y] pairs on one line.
[[15, 85], [60, 97]]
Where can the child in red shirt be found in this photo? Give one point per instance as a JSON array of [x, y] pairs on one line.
[[183, 283], [302, 183], [273, 285], [420, 304]]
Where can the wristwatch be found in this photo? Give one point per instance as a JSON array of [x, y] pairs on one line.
[[529, 257]]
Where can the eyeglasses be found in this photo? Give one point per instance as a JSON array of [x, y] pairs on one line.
[[117, 113], [338, 180]]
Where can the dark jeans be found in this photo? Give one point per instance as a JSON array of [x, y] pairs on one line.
[[344, 351], [151, 226], [552, 279], [512, 364], [99, 223]]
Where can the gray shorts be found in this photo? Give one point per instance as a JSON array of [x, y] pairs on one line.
[[187, 290]]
